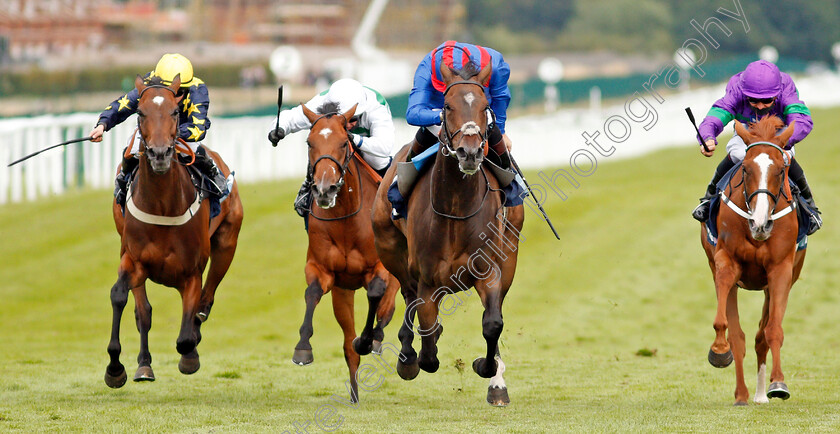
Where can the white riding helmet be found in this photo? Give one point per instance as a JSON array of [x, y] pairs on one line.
[[347, 93]]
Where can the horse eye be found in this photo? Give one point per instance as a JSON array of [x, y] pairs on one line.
[[140, 114], [447, 107], [175, 113]]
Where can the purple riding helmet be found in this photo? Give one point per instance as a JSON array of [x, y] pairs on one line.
[[761, 79]]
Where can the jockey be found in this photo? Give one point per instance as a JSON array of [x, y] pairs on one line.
[[425, 102], [760, 90], [193, 102], [371, 128]]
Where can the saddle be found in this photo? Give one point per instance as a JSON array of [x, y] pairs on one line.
[[803, 210], [408, 172]]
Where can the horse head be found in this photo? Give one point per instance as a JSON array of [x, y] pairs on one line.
[[466, 114], [764, 171], [157, 121], [328, 140]]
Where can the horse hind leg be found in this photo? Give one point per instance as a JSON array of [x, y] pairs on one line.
[[761, 348], [375, 291], [143, 316], [190, 334], [303, 350], [384, 314], [222, 248], [342, 300]]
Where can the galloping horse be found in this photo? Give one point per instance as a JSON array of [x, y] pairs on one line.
[[341, 256], [168, 236], [457, 235], [756, 250]]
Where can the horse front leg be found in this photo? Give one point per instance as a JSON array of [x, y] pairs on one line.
[[407, 366], [143, 316], [222, 248], [727, 273], [491, 327], [303, 350], [779, 284], [130, 274], [375, 291], [737, 344], [429, 329], [190, 334], [761, 348]]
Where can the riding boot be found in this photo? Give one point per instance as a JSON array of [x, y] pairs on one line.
[[121, 183], [797, 175], [303, 201], [423, 140], [701, 213], [205, 164]]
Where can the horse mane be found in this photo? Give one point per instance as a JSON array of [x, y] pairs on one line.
[[327, 108], [154, 81], [468, 71], [766, 127]]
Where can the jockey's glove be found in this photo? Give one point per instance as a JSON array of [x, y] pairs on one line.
[[276, 135]]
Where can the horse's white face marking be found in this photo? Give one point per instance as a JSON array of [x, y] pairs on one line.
[[469, 98], [762, 204], [498, 381], [761, 387], [325, 132], [158, 100]]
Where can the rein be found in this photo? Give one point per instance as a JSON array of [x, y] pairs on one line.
[[487, 190], [775, 197]]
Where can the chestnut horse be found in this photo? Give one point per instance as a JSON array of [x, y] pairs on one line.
[[168, 236], [341, 256], [457, 235], [756, 250]]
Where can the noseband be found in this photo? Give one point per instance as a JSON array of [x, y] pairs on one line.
[[775, 197], [447, 148]]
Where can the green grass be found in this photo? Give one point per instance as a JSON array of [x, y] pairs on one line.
[[606, 330]]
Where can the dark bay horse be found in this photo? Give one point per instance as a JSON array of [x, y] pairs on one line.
[[341, 256], [756, 250], [168, 237], [457, 235]]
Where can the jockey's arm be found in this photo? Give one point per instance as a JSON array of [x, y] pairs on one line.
[[118, 111], [796, 111], [423, 111], [382, 136], [194, 108], [293, 119]]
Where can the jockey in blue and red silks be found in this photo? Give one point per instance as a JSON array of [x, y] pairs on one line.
[[425, 102], [760, 90]]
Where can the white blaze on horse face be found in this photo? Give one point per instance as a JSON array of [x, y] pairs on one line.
[[469, 98], [761, 386], [762, 203], [325, 132], [158, 100]]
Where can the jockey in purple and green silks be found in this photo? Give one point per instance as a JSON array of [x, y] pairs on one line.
[[425, 102], [760, 90]]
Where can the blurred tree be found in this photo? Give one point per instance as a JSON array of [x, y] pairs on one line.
[[622, 25], [517, 26]]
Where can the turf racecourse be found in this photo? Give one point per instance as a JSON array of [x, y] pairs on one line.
[[606, 330]]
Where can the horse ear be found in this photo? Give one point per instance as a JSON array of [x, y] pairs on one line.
[[484, 75], [447, 73], [742, 132], [785, 136], [139, 84], [176, 83], [312, 116], [349, 113]]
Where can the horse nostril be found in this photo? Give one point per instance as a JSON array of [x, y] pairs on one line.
[[461, 153], [333, 189]]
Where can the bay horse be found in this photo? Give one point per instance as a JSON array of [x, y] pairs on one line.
[[756, 250], [167, 236], [341, 256], [457, 235]]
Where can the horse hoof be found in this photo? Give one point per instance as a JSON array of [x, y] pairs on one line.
[[431, 366], [778, 389], [740, 404], [497, 396], [201, 316], [360, 348], [115, 381], [720, 360], [408, 372], [189, 365], [302, 357], [144, 373], [376, 348], [479, 366]]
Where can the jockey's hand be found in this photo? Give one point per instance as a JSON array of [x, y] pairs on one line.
[[96, 134], [276, 135], [711, 145], [508, 143]]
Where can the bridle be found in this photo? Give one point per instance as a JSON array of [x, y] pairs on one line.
[[447, 138], [348, 156], [139, 130], [774, 197]]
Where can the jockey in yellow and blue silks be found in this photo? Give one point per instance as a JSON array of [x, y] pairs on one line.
[[425, 102], [193, 102]]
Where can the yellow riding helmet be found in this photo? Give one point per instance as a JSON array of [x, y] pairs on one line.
[[171, 65]]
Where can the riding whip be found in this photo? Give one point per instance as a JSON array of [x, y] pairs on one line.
[[47, 149], [277, 125], [545, 216], [694, 123]]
